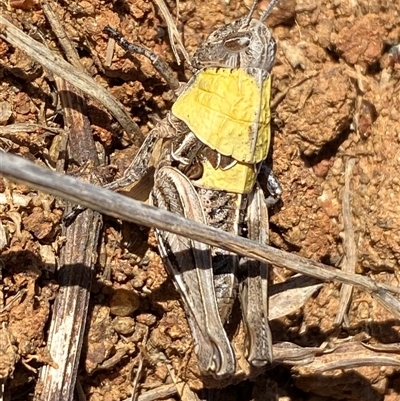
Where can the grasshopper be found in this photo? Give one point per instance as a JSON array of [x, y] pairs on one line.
[[215, 142]]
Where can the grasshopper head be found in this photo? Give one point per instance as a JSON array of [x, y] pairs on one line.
[[244, 43]]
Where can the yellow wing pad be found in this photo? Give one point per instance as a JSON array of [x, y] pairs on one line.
[[228, 110], [239, 179]]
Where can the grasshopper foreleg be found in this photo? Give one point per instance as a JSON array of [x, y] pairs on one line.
[[136, 170]]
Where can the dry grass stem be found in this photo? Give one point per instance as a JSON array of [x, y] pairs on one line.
[[350, 257], [118, 206], [71, 74]]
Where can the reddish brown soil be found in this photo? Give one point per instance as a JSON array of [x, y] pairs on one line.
[[335, 96]]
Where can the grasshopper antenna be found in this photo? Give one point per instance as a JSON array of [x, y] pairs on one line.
[[252, 9], [268, 10], [264, 15]]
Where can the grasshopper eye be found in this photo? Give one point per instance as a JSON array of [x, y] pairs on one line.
[[238, 42]]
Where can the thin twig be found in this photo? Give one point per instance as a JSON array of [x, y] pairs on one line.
[[16, 128], [281, 95], [70, 52], [65, 70], [159, 393], [3, 380], [173, 33], [184, 391], [350, 254], [119, 206], [139, 370], [348, 355], [12, 300]]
